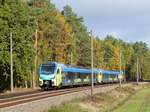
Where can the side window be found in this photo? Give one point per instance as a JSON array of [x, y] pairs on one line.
[[79, 75]]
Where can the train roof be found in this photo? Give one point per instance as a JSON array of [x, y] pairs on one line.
[[105, 72], [76, 70], [67, 68]]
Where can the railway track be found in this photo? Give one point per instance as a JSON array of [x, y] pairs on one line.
[[9, 95], [37, 95]]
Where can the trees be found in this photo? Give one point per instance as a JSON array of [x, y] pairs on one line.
[[14, 17], [82, 37], [98, 53], [112, 48], [141, 52], [55, 36], [63, 37], [130, 53]]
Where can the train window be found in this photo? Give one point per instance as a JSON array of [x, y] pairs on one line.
[[78, 75], [48, 68]]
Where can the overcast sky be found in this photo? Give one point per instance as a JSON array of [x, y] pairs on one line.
[[126, 19]]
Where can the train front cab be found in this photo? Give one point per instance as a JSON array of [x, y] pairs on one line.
[[50, 75]]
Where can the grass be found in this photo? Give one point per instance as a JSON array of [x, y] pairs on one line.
[[70, 107], [140, 102], [129, 99]]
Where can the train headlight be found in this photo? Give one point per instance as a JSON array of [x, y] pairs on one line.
[[40, 82]]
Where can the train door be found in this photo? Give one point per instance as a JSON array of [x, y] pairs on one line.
[[99, 77], [59, 77]]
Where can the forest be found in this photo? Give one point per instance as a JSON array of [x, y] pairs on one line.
[[41, 31]]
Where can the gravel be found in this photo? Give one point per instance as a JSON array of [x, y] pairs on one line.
[[45, 104]]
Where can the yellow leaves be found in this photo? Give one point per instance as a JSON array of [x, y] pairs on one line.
[[54, 28], [117, 54], [98, 52], [61, 19]]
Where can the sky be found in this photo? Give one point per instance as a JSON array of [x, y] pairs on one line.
[[125, 19]]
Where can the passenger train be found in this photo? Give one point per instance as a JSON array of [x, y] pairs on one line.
[[54, 74]]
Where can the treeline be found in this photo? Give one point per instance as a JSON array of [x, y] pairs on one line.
[[39, 29]]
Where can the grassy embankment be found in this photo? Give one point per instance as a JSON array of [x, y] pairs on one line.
[[109, 101], [140, 102]]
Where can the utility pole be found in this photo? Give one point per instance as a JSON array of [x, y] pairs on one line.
[[92, 83], [35, 60], [124, 73], [120, 69], [71, 58], [139, 66], [11, 61], [137, 71]]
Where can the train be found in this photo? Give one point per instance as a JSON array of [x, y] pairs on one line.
[[57, 75]]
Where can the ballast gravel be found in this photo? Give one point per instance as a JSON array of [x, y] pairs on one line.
[[45, 104]]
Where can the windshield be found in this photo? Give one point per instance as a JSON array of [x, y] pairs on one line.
[[47, 68]]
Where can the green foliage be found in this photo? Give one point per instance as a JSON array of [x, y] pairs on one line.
[[141, 52], [82, 41], [61, 36], [130, 53], [14, 17]]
